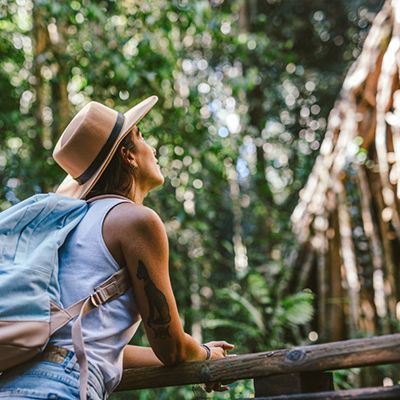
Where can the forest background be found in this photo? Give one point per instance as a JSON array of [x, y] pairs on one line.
[[245, 89]]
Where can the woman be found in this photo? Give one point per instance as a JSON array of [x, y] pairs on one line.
[[114, 169]]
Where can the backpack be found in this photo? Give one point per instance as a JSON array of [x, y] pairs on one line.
[[31, 233]]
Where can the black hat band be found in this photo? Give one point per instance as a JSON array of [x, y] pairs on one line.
[[105, 150]]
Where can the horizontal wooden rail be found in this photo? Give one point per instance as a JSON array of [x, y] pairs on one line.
[[321, 357]]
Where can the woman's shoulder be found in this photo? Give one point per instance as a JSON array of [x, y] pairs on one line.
[[130, 217], [129, 228]]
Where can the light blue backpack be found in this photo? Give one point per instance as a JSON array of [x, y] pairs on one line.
[[31, 232]]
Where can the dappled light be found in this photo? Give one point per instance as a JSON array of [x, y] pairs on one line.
[[281, 194]]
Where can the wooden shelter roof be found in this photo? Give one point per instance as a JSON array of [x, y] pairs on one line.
[[365, 117]]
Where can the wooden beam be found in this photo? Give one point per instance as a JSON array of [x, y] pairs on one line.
[[321, 357], [294, 383], [376, 393]]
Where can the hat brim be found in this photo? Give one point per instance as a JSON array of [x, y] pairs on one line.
[[69, 187]]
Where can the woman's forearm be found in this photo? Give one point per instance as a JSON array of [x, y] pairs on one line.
[[138, 356]]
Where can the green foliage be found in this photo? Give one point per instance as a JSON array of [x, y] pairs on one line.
[[345, 378], [245, 89], [297, 309]]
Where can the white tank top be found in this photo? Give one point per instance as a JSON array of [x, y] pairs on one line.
[[84, 263]]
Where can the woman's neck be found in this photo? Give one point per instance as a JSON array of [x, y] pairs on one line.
[[137, 194]]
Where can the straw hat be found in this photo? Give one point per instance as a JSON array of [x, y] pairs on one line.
[[88, 143]]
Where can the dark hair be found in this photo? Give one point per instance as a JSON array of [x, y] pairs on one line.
[[117, 178]]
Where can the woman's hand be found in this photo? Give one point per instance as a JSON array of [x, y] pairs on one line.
[[219, 349]]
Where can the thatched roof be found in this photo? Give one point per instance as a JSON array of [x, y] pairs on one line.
[[348, 213], [362, 111]]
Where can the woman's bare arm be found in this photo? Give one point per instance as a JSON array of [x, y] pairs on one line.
[[138, 356], [144, 245], [137, 239]]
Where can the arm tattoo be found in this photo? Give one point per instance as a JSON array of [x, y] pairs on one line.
[[159, 316]]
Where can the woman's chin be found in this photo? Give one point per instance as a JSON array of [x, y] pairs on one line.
[[158, 180], [162, 180]]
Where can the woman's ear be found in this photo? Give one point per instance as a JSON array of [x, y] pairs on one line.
[[128, 157]]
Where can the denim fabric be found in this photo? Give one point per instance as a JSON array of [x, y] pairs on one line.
[[49, 380]]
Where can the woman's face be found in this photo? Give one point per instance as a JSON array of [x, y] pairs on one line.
[[147, 172]]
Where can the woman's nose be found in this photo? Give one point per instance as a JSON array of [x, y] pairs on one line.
[[154, 150]]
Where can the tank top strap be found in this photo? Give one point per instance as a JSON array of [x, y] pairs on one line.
[[99, 208], [109, 196]]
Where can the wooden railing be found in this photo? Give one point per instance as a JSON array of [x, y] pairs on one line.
[[298, 373]]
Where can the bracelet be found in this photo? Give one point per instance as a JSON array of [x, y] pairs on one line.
[[208, 350]]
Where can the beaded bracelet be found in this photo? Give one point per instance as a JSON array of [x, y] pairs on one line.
[[208, 350]]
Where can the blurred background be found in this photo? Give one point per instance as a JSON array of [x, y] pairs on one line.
[[245, 89]]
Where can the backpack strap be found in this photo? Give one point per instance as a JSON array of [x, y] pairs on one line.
[[109, 290], [113, 287]]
